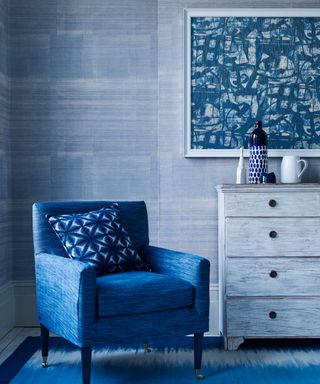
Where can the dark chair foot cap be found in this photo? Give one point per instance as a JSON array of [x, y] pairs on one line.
[[199, 375], [44, 362], [146, 347]]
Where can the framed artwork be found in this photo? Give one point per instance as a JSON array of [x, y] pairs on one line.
[[244, 65]]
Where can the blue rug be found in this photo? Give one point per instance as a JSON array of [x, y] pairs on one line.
[[287, 362]]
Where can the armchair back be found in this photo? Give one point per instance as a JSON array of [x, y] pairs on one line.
[[133, 216]]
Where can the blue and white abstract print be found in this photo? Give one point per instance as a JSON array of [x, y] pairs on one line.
[[245, 69]]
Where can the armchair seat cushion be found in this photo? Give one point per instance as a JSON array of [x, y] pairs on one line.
[[136, 292]]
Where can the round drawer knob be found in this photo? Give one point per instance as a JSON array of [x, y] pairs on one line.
[[272, 203], [273, 234], [272, 315], [273, 274]]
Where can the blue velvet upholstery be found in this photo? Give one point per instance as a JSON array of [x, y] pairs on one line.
[[141, 292], [170, 301]]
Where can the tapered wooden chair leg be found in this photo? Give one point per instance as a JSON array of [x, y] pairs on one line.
[[44, 345], [198, 342], [86, 364]]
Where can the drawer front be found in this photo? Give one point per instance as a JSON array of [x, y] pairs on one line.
[[250, 237], [272, 277], [272, 204], [273, 317]]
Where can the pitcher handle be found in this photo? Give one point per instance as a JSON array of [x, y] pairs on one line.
[[305, 166]]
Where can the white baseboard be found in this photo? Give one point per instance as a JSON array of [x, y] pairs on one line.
[[25, 311], [18, 306]]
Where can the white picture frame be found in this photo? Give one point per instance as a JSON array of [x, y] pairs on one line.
[[189, 13]]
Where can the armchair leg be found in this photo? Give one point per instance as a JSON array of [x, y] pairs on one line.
[[44, 345], [198, 341], [86, 364]]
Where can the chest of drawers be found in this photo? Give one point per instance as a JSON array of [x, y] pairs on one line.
[[269, 261]]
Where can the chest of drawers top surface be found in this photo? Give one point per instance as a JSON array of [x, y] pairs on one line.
[[283, 200], [268, 187]]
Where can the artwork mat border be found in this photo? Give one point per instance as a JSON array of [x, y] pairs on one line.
[[231, 12]]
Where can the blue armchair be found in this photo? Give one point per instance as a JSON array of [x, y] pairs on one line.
[[170, 301]]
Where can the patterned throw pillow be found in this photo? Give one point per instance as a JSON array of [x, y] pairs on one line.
[[98, 238]]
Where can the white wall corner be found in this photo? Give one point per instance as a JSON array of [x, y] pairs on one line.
[[6, 308]]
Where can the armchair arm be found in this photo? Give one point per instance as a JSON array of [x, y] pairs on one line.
[[66, 296], [194, 269]]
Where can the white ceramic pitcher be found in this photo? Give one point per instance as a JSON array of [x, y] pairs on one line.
[[291, 169]]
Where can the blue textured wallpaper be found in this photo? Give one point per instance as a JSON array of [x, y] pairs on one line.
[[259, 68], [5, 202], [97, 113], [83, 107]]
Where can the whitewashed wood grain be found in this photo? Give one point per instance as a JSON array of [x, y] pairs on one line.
[[295, 317], [8, 338], [251, 277], [295, 203], [306, 186], [232, 343], [251, 236], [221, 248], [13, 339], [248, 254]]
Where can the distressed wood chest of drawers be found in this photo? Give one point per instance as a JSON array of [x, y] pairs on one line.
[[269, 261]]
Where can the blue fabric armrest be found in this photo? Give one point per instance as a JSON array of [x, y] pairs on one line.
[[192, 268], [66, 297]]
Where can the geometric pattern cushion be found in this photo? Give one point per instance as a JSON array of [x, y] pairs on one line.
[[99, 239]]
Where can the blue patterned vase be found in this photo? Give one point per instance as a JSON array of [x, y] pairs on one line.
[[258, 162]]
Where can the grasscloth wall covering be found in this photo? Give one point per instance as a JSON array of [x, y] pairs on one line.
[[5, 255], [84, 107], [97, 113]]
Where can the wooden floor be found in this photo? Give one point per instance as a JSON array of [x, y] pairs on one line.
[[13, 339]]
